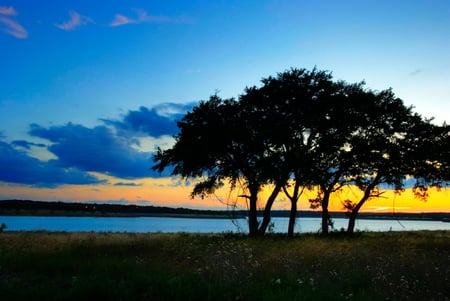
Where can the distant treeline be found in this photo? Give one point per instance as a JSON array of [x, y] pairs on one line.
[[27, 207], [43, 208]]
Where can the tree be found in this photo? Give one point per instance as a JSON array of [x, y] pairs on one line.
[[381, 147], [220, 141], [388, 146], [431, 158], [300, 130], [331, 162], [264, 138], [289, 109]]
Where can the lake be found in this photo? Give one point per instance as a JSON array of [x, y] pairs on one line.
[[200, 225]]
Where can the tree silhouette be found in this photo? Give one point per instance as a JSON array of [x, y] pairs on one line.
[[220, 141], [381, 146], [289, 109], [431, 158], [298, 130]]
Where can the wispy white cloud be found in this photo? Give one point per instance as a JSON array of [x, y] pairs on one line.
[[75, 21], [8, 11], [13, 28], [120, 20], [143, 17], [9, 26]]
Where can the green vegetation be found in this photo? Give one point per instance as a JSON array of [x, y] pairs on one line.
[[121, 266]]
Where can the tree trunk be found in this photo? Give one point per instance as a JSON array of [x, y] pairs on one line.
[[325, 217], [294, 199], [351, 222], [292, 217], [355, 210], [253, 214], [325, 214], [267, 217]]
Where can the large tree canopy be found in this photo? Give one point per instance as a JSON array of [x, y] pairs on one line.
[[302, 129], [219, 141]]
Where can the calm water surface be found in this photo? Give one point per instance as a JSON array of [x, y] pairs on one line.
[[200, 225]]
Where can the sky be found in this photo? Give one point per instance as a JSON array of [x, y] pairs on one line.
[[89, 89]]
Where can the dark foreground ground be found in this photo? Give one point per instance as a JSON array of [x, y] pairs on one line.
[[120, 266]]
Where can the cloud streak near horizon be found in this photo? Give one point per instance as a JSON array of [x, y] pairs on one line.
[[19, 168], [111, 149], [96, 149], [9, 26]]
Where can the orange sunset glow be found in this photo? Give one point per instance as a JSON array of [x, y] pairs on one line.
[[174, 192]]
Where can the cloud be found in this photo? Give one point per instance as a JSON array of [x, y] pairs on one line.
[[99, 149], [143, 17], [121, 202], [170, 109], [75, 21], [18, 167], [157, 121], [26, 144], [8, 11], [128, 184], [120, 20], [120, 148], [10, 26]]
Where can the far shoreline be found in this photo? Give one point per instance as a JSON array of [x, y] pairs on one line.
[[71, 209]]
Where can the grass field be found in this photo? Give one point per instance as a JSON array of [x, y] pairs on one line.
[[121, 266]]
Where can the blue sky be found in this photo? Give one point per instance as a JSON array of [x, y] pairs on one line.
[[88, 89]]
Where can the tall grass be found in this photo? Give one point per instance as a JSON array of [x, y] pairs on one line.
[[120, 266]]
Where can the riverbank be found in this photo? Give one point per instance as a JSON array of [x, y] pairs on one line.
[[119, 266], [44, 208], [71, 209]]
